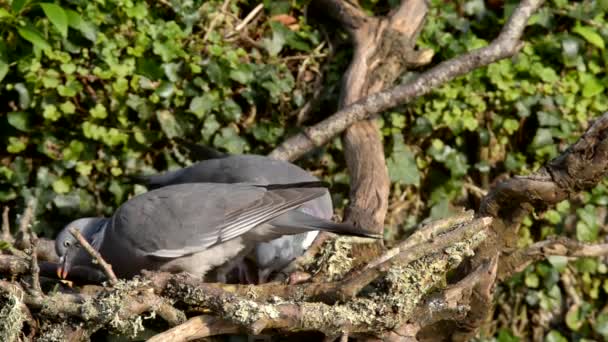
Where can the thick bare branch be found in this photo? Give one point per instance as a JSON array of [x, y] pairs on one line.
[[505, 45], [580, 167]]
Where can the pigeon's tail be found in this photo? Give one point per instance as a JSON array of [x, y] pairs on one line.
[[316, 184], [200, 152], [297, 222]]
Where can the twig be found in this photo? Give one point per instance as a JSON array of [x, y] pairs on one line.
[[195, 328], [249, 17], [34, 268], [107, 268], [505, 45], [27, 217], [6, 227], [562, 246]]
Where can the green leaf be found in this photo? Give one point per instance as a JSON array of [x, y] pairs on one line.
[[532, 280], [24, 95], [34, 37], [19, 120], [50, 112], [574, 318], [601, 325], [4, 13], [203, 105], [62, 185], [57, 16], [17, 5], [275, 45], [592, 86], [3, 69], [402, 164], [542, 138], [99, 111], [75, 21], [229, 139], [16, 145], [506, 336], [590, 35], [169, 124]]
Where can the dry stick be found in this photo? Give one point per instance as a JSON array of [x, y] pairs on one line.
[[25, 227], [107, 268], [8, 237], [505, 45], [34, 268], [197, 327], [26, 218], [249, 17], [6, 227]]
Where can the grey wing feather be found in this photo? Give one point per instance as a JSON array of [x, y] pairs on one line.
[[183, 219]]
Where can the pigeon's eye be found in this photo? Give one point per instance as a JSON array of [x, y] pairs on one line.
[[67, 243]]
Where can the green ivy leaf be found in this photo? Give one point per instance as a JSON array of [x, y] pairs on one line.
[[34, 37], [506, 336], [3, 69], [17, 5], [75, 21], [57, 16], [601, 325], [99, 111], [169, 124], [19, 120], [16, 145], [229, 139], [402, 164], [590, 35], [592, 86], [574, 318], [62, 185]]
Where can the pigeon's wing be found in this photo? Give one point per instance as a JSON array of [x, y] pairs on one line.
[[232, 169], [178, 220]]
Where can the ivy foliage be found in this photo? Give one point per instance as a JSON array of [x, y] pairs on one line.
[[93, 91]]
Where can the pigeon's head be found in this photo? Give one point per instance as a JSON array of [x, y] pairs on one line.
[[68, 248]]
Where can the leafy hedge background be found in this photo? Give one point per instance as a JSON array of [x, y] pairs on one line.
[[94, 91]]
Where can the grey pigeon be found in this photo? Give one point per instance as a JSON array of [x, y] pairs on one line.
[[193, 227], [269, 256]]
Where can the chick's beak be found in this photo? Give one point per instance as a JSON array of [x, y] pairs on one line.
[[62, 270]]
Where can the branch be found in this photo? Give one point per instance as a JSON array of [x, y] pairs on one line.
[[6, 226], [580, 167], [107, 268], [408, 253], [349, 15], [35, 269], [505, 45], [562, 246]]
